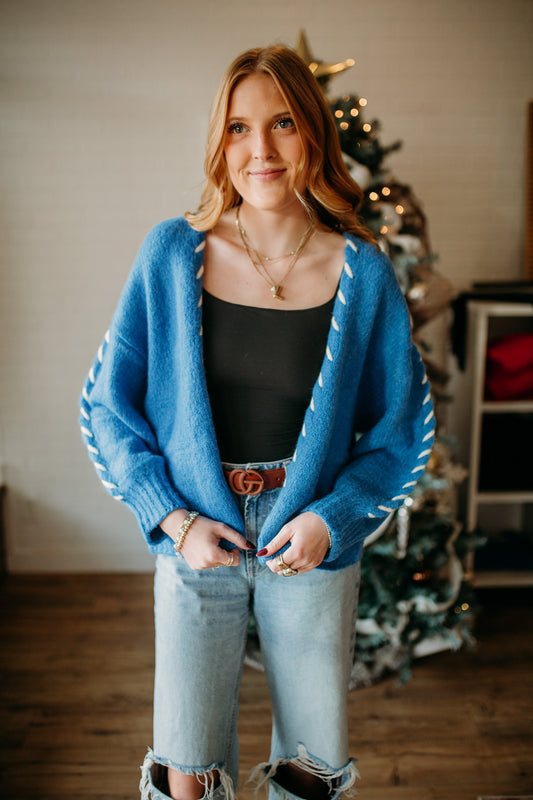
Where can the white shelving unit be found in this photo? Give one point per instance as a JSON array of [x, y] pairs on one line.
[[480, 313]]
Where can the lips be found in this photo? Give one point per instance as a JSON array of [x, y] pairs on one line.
[[266, 174]]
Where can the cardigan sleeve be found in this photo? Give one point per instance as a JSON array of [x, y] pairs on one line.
[[119, 438], [395, 429]]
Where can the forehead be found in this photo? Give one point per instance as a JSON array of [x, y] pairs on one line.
[[253, 93]]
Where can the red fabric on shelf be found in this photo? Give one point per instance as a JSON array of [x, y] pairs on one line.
[[509, 373]]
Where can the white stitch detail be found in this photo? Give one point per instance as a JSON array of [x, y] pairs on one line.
[[200, 247], [341, 297], [201, 330], [200, 301], [294, 456], [101, 354], [87, 432], [347, 270], [372, 516], [427, 398], [312, 404], [351, 244], [200, 273], [303, 429], [320, 381], [400, 497], [110, 485], [84, 413], [91, 375], [417, 469], [385, 508], [100, 467], [92, 449], [328, 353], [429, 435], [425, 379], [429, 417], [407, 485], [118, 497], [85, 395], [107, 336], [335, 324], [424, 453]]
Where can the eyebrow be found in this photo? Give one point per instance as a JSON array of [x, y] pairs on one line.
[[247, 119]]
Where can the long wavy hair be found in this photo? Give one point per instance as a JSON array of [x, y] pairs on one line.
[[332, 197]]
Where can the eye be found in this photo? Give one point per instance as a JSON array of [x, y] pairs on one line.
[[285, 123], [236, 127]]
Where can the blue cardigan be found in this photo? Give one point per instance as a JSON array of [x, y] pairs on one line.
[[146, 419]]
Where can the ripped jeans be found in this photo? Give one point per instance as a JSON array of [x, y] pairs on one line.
[[306, 627]]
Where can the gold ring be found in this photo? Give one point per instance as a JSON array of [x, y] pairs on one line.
[[288, 572], [281, 563], [229, 562]]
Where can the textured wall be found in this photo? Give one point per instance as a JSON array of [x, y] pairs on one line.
[[104, 112]]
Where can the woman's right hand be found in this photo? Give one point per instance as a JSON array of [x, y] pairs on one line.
[[201, 548]]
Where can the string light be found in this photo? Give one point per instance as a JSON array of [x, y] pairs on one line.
[[362, 101], [400, 209], [374, 196], [344, 126], [354, 112], [384, 229], [367, 127], [385, 191], [339, 113]]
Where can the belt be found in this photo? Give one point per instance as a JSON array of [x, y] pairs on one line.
[[254, 481]]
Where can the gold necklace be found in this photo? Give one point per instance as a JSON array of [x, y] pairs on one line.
[[258, 264]]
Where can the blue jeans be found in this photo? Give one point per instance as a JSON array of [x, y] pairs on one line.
[[306, 627]]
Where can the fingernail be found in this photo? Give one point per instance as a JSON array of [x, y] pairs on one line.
[[262, 552], [250, 545]]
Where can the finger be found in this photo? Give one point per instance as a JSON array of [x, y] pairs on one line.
[[277, 543], [236, 538]]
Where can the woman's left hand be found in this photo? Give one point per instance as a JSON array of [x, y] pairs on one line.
[[309, 543]]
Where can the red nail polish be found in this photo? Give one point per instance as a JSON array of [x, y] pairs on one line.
[[262, 552]]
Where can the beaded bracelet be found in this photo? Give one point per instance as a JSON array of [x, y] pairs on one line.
[[183, 531]]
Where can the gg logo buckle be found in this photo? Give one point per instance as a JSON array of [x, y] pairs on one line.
[[245, 481]]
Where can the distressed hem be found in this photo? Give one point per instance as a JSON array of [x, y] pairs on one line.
[[340, 782], [153, 779]]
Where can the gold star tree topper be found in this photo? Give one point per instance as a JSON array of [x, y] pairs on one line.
[[322, 70]]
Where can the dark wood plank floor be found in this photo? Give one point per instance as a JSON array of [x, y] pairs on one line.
[[76, 683]]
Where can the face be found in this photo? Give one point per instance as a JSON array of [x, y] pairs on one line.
[[262, 146]]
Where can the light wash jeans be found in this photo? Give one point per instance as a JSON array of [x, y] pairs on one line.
[[306, 627]]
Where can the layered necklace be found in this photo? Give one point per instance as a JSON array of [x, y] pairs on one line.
[[258, 259]]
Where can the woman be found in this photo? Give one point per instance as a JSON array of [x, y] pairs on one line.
[[259, 405]]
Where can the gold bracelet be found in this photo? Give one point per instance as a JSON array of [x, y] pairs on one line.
[[329, 537], [183, 531]]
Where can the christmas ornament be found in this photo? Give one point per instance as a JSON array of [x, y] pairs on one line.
[[322, 70]]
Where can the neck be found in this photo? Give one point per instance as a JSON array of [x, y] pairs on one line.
[[271, 232]]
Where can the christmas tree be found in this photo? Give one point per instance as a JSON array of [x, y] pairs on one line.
[[415, 598]]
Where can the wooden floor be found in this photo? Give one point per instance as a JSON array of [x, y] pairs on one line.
[[76, 683]]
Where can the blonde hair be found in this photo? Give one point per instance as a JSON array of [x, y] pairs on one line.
[[332, 197]]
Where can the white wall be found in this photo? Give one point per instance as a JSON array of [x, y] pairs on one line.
[[104, 113]]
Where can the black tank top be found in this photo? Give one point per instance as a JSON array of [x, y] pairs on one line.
[[261, 365]]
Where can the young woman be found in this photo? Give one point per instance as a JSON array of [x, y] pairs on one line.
[[259, 404]]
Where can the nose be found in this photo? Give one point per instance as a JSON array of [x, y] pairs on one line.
[[263, 146]]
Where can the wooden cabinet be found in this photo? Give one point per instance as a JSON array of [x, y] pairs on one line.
[[504, 487]]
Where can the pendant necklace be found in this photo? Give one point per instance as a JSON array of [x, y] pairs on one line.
[[257, 259]]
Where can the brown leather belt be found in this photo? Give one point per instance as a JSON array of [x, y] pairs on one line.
[[254, 481]]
